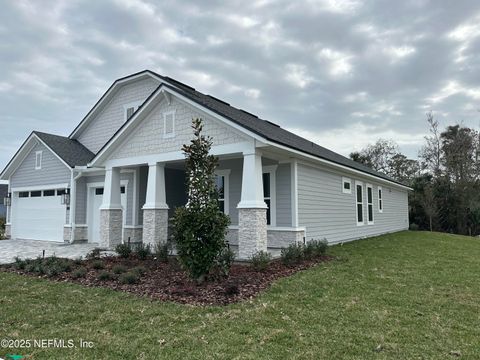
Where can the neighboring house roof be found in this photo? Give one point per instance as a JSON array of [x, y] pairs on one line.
[[71, 151]]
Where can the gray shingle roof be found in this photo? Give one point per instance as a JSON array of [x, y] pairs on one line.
[[272, 131], [71, 151]]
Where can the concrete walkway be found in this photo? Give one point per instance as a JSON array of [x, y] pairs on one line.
[[30, 249]]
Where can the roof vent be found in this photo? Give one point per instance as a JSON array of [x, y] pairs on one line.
[[271, 123], [179, 83], [246, 112], [214, 98]]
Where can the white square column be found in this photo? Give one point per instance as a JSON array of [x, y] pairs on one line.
[[155, 210], [252, 210], [111, 211]]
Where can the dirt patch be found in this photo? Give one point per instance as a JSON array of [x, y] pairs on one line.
[[168, 282]]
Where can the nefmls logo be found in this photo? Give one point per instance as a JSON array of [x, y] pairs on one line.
[[13, 357]]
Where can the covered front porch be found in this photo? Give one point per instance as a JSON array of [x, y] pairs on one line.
[[255, 191]]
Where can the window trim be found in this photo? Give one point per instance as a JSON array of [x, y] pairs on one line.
[[345, 180], [165, 134], [226, 189], [359, 183], [272, 170], [369, 186], [380, 199], [135, 105], [38, 159]]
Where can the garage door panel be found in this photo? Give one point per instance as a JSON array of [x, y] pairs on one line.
[[39, 218]]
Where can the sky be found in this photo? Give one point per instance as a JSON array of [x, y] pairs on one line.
[[340, 73]]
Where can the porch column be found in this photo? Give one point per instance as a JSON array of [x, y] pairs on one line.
[[252, 210], [155, 210], [111, 212]]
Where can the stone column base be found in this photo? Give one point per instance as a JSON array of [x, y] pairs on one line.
[[67, 233], [111, 227], [134, 233], [8, 231], [155, 226], [252, 232]]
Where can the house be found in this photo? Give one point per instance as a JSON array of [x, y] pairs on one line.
[[120, 174], [3, 194]]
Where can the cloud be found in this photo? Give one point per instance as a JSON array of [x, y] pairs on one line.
[[340, 72]]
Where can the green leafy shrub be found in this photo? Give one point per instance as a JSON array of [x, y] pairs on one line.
[[414, 227], [129, 278], [261, 260], [104, 276], [119, 269], [139, 270], [52, 270], [223, 263], [162, 251], [143, 251], [315, 248], [79, 273], [123, 250], [19, 264], [200, 227], [293, 254], [98, 265]]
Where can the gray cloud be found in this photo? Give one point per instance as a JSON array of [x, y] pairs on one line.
[[342, 73]]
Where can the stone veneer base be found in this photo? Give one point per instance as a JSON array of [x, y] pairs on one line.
[[252, 232], [155, 226], [135, 234], [111, 227], [8, 231]]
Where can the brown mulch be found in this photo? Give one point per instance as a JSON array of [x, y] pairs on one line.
[[168, 282]]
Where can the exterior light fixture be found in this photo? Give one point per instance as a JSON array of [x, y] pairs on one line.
[[65, 198], [7, 201]]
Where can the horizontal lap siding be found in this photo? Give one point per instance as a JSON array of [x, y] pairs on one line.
[[327, 212], [53, 170], [284, 195]]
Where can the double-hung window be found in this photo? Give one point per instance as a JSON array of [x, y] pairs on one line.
[[359, 202], [380, 200], [369, 204], [222, 183], [269, 193]]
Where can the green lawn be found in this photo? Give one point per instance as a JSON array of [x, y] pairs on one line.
[[410, 295]]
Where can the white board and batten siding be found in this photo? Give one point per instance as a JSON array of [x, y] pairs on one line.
[[327, 212]]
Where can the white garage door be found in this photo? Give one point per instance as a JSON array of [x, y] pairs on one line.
[[38, 215]]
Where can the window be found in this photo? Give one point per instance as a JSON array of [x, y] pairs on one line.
[[346, 185], [380, 200], [61, 192], [267, 196], [36, 193], [359, 202], [370, 204], [99, 191], [38, 160], [49, 193], [122, 190], [169, 124], [222, 183], [23, 194], [130, 109]]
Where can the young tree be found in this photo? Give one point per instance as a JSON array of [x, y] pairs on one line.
[[431, 152], [200, 227]]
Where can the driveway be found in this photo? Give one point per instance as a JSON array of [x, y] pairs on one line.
[[30, 249]]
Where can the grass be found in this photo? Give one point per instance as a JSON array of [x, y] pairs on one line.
[[410, 295]]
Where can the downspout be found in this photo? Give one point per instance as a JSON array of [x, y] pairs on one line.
[[73, 203]]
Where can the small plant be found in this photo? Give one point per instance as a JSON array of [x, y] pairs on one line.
[[293, 254], [143, 251], [78, 261], [98, 265], [79, 273], [414, 227], [94, 254], [123, 250], [129, 278], [52, 270], [223, 263], [139, 270], [261, 260], [231, 289], [119, 269], [162, 251], [315, 248], [19, 264], [105, 276]]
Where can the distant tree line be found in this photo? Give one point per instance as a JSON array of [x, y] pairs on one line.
[[445, 178]]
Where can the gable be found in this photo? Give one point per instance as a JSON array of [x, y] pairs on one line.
[[148, 137], [103, 125], [53, 170]]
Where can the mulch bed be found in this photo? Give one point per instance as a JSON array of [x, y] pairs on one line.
[[168, 282]]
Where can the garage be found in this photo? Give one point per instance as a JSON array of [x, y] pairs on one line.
[[38, 215]]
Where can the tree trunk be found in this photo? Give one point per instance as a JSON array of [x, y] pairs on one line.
[[431, 227]]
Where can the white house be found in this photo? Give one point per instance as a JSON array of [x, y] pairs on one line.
[[120, 174]]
